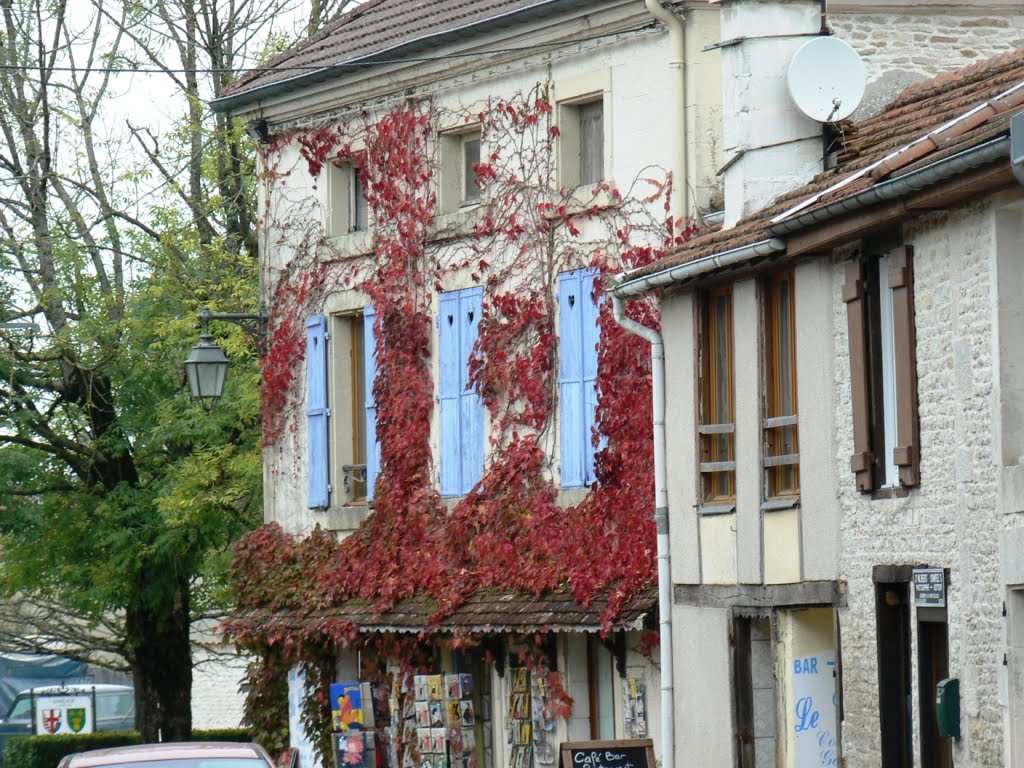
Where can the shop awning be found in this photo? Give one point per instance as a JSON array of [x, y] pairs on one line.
[[488, 611]]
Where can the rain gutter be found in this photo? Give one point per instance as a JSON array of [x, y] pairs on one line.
[[954, 165], [238, 100], [661, 524], [691, 269]]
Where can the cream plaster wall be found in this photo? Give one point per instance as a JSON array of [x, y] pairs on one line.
[[746, 323], [703, 666], [633, 73], [815, 373], [678, 333]]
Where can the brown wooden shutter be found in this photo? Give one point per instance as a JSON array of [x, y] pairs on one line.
[[906, 455], [853, 294]]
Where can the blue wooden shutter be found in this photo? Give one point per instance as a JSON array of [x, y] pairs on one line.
[[317, 411], [591, 334], [372, 447], [448, 390], [570, 377], [471, 411]]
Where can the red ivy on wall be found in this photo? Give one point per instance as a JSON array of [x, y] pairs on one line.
[[509, 531]]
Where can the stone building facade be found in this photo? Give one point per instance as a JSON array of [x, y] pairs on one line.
[[774, 582]]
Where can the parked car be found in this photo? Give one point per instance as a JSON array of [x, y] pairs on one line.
[[114, 710], [195, 754]]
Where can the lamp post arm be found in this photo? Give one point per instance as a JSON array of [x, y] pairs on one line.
[[253, 323]]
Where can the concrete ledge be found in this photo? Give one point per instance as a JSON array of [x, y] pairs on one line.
[[344, 519], [761, 595]]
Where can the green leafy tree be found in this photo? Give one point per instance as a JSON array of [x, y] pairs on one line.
[[119, 498]]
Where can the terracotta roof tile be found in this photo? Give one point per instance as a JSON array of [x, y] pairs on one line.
[[376, 27], [917, 111], [485, 611]]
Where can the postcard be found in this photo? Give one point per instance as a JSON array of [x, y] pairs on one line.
[[466, 710], [422, 714], [346, 706], [436, 714], [419, 683], [452, 686], [437, 740], [435, 687]]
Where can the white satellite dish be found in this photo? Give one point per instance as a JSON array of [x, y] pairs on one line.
[[826, 79]]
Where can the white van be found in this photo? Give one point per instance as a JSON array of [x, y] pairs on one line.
[[114, 709]]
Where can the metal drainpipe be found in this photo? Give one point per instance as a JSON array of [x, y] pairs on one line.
[[676, 63], [661, 521]]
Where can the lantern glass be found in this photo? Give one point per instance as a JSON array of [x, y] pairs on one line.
[[206, 370]]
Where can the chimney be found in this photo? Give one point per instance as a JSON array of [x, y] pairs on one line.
[[770, 146]]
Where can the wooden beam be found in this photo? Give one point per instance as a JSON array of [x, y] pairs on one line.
[[842, 229], [761, 595], [946, 194]]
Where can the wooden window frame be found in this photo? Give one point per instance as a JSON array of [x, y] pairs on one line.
[[781, 446], [357, 371], [717, 428], [862, 295]]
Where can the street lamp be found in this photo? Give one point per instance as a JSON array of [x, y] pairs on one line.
[[206, 368]]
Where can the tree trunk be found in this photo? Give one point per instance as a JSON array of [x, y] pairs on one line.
[[162, 666]]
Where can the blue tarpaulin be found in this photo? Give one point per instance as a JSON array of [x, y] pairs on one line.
[[19, 671]]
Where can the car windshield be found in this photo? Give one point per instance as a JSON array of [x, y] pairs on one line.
[[22, 707]]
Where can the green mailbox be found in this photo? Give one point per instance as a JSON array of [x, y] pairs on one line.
[[947, 706]]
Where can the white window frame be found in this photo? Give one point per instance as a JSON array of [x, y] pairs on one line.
[[343, 193], [455, 191], [572, 94]]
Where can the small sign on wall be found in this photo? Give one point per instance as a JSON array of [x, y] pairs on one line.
[[61, 715], [929, 588]]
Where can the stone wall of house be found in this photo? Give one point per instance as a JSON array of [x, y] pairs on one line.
[[900, 48], [950, 520]]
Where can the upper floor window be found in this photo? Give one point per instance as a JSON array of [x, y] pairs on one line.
[[340, 409], [578, 337], [781, 451], [879, 296], [461, 409], [581, 125], [460, 156], [717, 425], [346, 202]]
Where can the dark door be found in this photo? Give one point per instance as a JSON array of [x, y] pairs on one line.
[[892, 616], [932, 666]]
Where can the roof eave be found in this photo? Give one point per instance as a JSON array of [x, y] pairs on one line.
[[983, 154], [236, 101]]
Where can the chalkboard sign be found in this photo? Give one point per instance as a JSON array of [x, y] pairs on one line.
[[628, 753]]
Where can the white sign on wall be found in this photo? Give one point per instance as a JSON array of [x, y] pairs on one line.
[[63, 715], [297, 734], [814, 709]]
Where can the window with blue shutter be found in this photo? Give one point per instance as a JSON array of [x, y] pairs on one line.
[[372, 447], [577, 379], [461, 410], [317, 411]]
